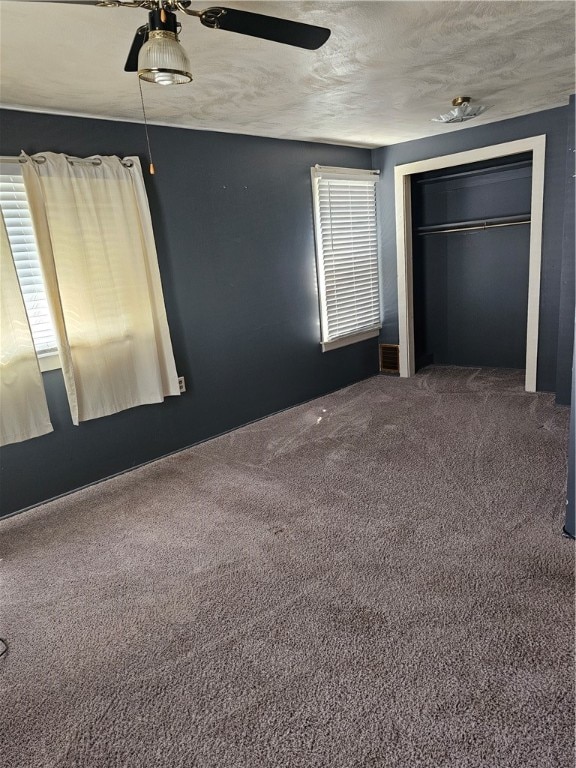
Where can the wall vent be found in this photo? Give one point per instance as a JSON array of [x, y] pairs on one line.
[[389, 358]]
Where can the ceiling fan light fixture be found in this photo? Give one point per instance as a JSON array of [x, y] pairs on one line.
[[162, 59], [463, 110]]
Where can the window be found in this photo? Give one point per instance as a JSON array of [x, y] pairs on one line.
[[93, 230], [16, 212], [346, 254]]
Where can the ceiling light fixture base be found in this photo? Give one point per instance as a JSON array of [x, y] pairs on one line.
[[463, 110]]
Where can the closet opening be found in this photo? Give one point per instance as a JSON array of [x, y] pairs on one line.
[[519, 150], [470, 263]]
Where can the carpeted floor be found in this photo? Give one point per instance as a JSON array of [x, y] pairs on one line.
[[373, 579]]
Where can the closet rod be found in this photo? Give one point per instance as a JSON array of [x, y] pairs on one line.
[[468, 229], [462, 226]]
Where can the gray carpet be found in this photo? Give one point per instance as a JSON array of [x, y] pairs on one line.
[[375, 578]]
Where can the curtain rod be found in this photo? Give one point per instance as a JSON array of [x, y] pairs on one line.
[[72, 160], [351, 171]]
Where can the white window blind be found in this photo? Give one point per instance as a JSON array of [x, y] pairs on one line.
[[347, 255], [14, 205]]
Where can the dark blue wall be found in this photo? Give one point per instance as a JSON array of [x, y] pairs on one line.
[[233, 222], [568, 277], [471, 287], [567, 328], [570, 521], [554, 124]]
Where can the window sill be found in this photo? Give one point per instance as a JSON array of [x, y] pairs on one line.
[[49, 362], [354, 338]]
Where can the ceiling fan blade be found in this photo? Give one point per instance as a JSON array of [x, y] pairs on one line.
[[266, 27], [68, 2], [140, 38], [139, 4]]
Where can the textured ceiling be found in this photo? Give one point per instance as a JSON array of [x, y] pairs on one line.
[[385, 71]]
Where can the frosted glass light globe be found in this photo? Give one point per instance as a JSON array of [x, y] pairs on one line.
[[162, 60]]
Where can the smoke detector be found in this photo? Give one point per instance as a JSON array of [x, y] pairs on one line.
[[462, 111]]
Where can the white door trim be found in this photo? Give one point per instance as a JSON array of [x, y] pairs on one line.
[[402, 187]]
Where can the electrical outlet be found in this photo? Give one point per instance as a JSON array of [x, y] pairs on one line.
[[181, 383]]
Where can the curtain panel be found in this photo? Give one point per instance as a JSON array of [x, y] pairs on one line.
[[23, 407], [96, 244]]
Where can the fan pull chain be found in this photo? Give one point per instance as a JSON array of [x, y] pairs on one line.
[[152, 171]]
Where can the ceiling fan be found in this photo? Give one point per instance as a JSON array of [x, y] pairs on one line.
[[157, 55]]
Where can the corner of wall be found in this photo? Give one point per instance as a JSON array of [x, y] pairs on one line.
[[565, 349]]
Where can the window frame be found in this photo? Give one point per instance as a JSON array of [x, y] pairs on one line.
[[318, 172]]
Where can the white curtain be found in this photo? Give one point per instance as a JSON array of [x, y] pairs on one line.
[[96, 244], [23, 408]]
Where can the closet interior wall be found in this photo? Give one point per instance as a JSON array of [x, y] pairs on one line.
[[471, 241]]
